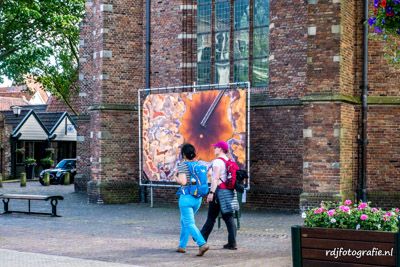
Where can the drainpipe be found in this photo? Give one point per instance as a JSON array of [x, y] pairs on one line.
[[148, 42], [142, 189], [364, 108]]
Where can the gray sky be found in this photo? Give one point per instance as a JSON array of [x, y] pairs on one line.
[[6, 82]]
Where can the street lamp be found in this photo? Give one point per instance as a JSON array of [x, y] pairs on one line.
[[16, 110]]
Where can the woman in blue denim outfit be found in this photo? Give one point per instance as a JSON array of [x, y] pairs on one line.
[[188, 204]]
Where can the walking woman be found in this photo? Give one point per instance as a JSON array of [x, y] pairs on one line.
[[220, 198], [188, 204]]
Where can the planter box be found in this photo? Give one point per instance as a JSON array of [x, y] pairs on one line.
[[325, 247], [30, 171]]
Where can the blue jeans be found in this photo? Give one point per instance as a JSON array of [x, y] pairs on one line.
[[189, 205]]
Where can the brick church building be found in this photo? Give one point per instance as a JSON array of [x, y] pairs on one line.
[[304, 60]]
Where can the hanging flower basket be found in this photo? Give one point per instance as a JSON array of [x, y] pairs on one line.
[[50, 149], [385, 20], [20, 151], [47, 162], [30, 161]]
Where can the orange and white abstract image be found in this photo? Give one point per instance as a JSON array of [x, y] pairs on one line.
[[201, 118]]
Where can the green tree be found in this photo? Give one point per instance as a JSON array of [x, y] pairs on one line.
[[39, 39]]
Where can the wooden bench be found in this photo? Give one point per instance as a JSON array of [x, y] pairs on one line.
[[53, 201]]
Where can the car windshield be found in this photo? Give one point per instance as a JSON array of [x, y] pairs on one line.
[[63, 163]]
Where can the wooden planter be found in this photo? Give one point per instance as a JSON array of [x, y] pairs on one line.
[[315, 247]]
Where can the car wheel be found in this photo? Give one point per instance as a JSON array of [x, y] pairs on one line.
[[41, 181]]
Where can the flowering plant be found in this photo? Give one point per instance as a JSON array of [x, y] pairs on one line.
[[385, 21], [346, 215]]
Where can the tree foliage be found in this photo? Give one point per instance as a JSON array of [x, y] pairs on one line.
[[40, 38]]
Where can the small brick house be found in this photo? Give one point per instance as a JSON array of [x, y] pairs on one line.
[[304, 62], [36, 134]]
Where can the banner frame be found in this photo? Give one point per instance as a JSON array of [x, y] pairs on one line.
[[245, 85]]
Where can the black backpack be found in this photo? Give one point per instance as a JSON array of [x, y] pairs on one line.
[[241, 179]]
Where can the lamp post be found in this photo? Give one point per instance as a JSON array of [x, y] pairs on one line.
[[16, 110]]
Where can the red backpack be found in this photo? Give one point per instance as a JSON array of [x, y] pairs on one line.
[[231, 168]]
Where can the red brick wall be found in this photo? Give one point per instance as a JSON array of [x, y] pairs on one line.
[[348, 150], [323, 71], [288, 49], [321, 148], [384, 79], [384, 137], [348, 50], [276, 157], [383, 130], [6, 132], [111, 74], [285, 165], [166, 48]]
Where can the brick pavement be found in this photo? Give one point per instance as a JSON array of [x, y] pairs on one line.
[[136, 234], [11, 258]]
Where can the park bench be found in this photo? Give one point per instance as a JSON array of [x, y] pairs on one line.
[[53, 201]]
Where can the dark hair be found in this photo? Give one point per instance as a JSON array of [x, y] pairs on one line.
[[188, 151]]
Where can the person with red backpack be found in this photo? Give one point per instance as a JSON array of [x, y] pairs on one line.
[[222, 196]]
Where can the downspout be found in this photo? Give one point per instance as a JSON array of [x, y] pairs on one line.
[[364, 108], [148, 43], [147, 75]]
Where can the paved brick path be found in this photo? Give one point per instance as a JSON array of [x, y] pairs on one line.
[[133, 234]]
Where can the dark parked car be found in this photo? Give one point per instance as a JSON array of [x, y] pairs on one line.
[[57, 174]]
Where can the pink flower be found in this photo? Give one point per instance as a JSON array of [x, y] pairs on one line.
[[344, 208], [331, 212], [397, 210], [318, 211], [348, 202], [386, 218], [363, 217], [362, 206], [374, 210]]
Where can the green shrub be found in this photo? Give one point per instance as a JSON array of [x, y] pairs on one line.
[[30, 161], [47, 162]]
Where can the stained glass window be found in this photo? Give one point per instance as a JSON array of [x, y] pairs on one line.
[[241, 71], [260, 43], [260, 72], [204, 42], [242, 14], [222, 15], [214, 41]]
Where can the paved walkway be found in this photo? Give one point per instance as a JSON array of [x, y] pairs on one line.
[[11, 258], [132, 234]]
